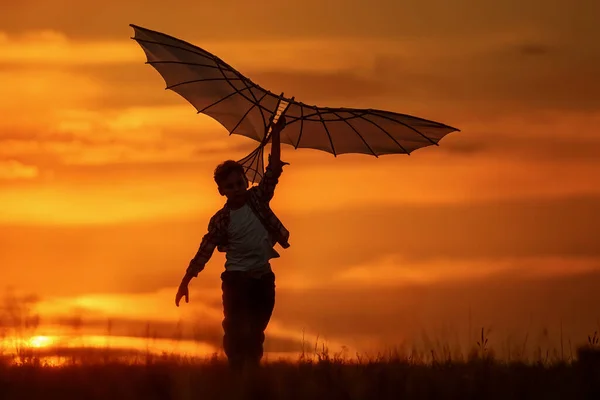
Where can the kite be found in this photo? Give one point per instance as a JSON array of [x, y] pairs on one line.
[[244, 108]]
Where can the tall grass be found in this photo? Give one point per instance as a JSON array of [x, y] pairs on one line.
[[433, 368], [318, 375]]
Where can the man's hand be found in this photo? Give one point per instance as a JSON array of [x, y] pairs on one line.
[[275, 156], [183, 291], [279, 125]]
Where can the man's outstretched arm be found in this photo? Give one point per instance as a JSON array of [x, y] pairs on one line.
[[276, 141], [275, 165], [197, 264]]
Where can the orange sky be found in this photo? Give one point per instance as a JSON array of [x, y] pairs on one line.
[[106, 185]]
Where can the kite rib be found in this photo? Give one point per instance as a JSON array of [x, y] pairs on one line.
[[257, 158], [219, 62], [384, 131], [328, 135], [301, 126], [250, 157], [241, 94], [355, 131], [333, 111], [198, 80], [182, 63], [204, 54], [247, 112], [406, 125], [220, 100]]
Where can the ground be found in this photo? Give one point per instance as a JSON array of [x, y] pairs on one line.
[[168, 378]]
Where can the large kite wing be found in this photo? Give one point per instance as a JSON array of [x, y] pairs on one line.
[[216, 89]]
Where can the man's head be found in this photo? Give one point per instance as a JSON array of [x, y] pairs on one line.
[[231, 180]]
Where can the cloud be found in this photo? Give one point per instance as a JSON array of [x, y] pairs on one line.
[[133, 135], [538, 136], [435, 242], [323, 86], [111, 114], [52, 50], [490, 81], [118, 317], [512, 305], [207, 331], [534, 49], [397, 271], [314, 87], [118, 191], [43, 92], [523, 299], [479, 73], [492, 229], [49, 48], [495, 81], [338, 18], [12, 170]]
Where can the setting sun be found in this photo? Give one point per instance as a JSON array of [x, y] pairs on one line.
[[40, 341]]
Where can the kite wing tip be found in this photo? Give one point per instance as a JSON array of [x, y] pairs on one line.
[[137, 27]]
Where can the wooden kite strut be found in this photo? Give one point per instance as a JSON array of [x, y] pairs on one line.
[[257, 155]]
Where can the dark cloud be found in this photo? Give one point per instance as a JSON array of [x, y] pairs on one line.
[[86, 353], [509, 303], [495, 82], [245, 147], [137, 85], [518, 143], [53, 136], [436, 18], [47, 148], [474, 82], [313, 87], [533, 49], [512, 305], [497, 229], [206, 331], [203, 329], [506, 72], [111, 18], [18, 316], [498, 78]]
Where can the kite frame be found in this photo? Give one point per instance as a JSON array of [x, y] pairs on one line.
[[317, 111], [248, 83]]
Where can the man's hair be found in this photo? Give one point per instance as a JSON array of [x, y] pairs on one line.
[[224, 169]]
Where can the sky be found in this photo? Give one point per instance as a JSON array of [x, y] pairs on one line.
[[106, 178]]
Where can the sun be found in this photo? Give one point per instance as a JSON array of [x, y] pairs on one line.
[[40, 341]]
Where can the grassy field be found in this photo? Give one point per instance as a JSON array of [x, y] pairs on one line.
[[435, 371], [317, 377]]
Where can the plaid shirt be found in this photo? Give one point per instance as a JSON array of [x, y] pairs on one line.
[[258, 200]]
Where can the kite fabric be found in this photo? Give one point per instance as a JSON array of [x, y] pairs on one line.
[[244, 108]]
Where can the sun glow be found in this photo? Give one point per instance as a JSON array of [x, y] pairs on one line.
[[56, 350], [40, 341]]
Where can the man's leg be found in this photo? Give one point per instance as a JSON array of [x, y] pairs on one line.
[[235, 318], [262, 303]]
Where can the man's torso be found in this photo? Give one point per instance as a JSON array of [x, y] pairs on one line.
[[249, 246]]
